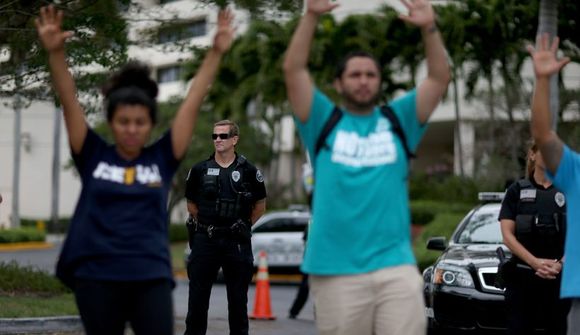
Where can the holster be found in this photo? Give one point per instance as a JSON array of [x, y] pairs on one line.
[[241, 229], [191, 226]]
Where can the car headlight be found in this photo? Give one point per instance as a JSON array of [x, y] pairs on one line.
[[451, 275]]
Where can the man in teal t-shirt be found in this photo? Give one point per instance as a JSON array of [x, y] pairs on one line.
[[563, 166], [363, 273]]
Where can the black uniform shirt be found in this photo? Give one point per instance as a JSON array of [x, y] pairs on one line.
[[226, 184], [540, 202]]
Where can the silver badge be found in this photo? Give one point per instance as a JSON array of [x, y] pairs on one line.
[[560, 199], [259, 176], [213, 172], [236, 175]]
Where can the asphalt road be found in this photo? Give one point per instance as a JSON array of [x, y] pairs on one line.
[[281, 299]]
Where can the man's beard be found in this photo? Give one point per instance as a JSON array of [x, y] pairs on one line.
[[350, 100]]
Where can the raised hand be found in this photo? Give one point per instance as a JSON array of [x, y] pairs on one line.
[[320, 7], [421, 13], [225, 32], [49, 29], [544, 56]]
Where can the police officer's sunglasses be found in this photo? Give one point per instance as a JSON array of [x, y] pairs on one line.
[[223, 136]]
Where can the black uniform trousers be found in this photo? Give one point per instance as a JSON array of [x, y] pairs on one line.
[[234, 255], [534, 303]]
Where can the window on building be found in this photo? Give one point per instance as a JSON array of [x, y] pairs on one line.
[[169, 74], [183, 31]]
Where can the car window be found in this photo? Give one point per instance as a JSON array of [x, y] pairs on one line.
[[481, 228], [282, 225]]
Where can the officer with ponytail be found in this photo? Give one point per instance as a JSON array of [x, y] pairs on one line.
[[533, 224]]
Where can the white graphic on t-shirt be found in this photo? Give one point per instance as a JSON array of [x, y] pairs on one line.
[[127, 175], [353, 150]]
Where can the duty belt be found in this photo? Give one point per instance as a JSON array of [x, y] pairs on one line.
[[211, 229]]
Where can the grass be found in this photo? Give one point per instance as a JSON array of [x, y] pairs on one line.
[[35, 306], [177, 261]]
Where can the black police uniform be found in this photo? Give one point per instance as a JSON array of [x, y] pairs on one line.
[[540, 217], [221, 238]]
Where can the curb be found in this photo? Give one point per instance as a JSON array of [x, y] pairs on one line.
[[57, 324], [25, 246]]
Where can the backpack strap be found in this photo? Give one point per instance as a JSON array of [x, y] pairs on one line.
[[388, 112], [335, 116]]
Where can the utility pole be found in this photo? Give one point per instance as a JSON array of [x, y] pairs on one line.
[[55, 170], [17, 104]]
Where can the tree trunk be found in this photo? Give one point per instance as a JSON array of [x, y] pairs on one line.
[[548, 23]]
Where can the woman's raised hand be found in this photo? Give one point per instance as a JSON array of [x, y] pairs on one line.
[[48, 25]]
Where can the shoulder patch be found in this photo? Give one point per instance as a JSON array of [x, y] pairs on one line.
[[560, 199], [259, 176]]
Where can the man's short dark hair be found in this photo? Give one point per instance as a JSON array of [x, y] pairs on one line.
[[341, 67]]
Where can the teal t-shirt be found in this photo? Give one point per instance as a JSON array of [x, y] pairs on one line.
[[361, 219], [567, 179]]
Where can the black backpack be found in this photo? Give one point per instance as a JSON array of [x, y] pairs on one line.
[[336, 115]]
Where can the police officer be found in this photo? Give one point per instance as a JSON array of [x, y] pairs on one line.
[[225, 196], [533, 223]]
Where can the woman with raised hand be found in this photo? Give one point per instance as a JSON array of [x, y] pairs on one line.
[[116, 255]]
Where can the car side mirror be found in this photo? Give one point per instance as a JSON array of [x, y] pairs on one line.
[[437, 243]]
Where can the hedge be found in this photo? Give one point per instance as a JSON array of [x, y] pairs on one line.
[[21, 235]]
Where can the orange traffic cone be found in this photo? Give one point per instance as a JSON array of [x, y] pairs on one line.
[[262, 308]]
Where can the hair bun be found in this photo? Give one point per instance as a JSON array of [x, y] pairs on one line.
[[134, 74]]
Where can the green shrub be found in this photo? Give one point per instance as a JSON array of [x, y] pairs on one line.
[[177, 232], [17, 280], [21, 235], [443, 225], [421, 215]]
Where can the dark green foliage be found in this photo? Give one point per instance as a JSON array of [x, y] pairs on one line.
[[21, 235], [421, 215], [100, 39], [449, 189], [17, 280]]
